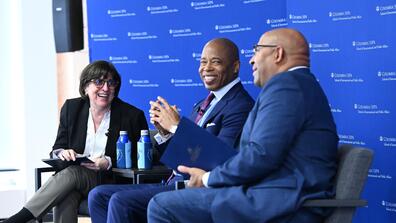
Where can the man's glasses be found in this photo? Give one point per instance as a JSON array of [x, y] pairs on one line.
[[257, 47], [101, 82]]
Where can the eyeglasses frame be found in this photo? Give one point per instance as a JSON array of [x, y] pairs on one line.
[[256, 46], [109, 85]]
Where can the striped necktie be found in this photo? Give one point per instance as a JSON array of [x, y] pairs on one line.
[[204, 106]]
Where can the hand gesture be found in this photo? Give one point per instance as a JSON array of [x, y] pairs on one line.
[[161, 130], [163, 115], [195, 175], [67, 154]]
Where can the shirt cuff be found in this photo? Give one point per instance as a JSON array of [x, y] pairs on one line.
[[173, 129], [109, 160], [205, 179], [56, 152], [162, 138]]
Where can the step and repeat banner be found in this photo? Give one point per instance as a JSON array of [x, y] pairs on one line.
[[156, 46], [353, 44]]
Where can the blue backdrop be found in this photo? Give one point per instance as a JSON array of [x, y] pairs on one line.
[[156, 46]]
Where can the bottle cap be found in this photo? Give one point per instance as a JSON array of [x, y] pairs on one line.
[[123, 132], [144, 132]]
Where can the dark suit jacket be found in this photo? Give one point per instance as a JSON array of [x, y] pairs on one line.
[[287, 154], [72, 129], [229, 115]]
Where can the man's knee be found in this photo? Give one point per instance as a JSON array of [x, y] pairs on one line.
[[130, 198], [154, 209], [95, 195], [117, 200]]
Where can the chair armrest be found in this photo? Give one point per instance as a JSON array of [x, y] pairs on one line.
[[37, 174], [154, 175], [334, 203], [154, 178]]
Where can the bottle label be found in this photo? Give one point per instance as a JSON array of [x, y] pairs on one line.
[[128, 155], [121, 155], [144, 155]]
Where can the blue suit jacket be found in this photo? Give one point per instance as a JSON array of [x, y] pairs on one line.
[[228, 116], [287, 154]]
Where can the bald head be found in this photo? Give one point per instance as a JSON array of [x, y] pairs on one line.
[[294, 44], [277, 51], [219, 63]]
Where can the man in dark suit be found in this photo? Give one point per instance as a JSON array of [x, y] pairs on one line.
[[223, 114], [287, 152]]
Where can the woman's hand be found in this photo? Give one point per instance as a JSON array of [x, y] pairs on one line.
[[100, 163], [67, 154]]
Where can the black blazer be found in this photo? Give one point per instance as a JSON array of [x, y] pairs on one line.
[[72, 129]]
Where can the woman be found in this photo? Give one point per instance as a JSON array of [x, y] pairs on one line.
[[89, 125]]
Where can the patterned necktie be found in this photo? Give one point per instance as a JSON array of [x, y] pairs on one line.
[[170, 178], [202, 109]]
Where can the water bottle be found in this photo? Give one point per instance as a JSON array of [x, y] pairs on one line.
[[144, 149], [124, 160]]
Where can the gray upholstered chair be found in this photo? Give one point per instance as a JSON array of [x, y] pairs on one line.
[[353, 166]]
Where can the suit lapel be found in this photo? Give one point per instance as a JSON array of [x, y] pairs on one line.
[[218, 107], [223, 102], [114, 128], [194, 112], [80, 131]]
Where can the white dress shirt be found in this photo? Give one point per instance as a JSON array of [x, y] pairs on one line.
[[95, 144]]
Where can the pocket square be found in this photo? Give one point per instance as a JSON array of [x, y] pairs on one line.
[[210, 124]]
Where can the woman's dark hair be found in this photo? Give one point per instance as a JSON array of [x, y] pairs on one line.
[[96, 70]]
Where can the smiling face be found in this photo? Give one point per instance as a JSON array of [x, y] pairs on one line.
[[100, 94], [217, 67], [100, 82], [277, 51], [263, 61]]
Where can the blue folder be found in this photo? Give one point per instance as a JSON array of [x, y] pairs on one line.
[[193, 146]]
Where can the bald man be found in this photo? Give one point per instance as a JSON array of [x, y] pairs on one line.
[[223, 117], [287, 152]]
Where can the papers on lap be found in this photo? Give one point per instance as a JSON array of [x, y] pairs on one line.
[[59, 164], [193, 146]]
